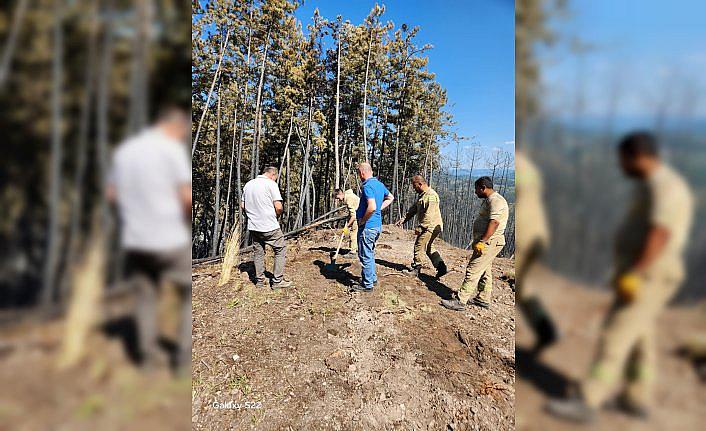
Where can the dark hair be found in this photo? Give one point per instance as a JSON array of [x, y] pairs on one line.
[[337, 191], [269, 170], [638, 144], [419, 178], [484, 181]]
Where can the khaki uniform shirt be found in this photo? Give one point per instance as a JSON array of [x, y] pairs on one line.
[[351, 200], [663, 199], [494, 207], [530, 216], [427, 210]]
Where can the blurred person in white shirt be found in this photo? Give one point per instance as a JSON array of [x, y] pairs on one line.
[[150, 182]]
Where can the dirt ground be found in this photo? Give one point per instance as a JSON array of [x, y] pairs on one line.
[[579, 312], [106, 391], [316, 357]]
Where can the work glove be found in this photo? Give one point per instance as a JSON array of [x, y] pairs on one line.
[[628, 286], [346, 230], [479, 247]]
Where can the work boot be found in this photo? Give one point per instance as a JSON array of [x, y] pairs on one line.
[[547, 334], [480, 303], [414, 272], [453, 304], [572, 409], [357, 287], [281, 285], [632, 408], [441, 270]]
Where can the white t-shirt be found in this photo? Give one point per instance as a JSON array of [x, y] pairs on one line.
[[258, 196], [147, 172]]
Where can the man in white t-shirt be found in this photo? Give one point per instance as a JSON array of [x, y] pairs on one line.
[[262, 203], [150, 182]]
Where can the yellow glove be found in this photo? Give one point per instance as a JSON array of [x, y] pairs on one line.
[[628, 286], [479, 247], [346, 231]]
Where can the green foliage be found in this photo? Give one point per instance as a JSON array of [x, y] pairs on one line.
[[400, 107]]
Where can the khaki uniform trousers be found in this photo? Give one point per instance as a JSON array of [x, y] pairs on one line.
[[626, 349], [353, 237], [424, 245], [479, 276]]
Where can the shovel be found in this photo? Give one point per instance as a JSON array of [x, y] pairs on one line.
[[332, 266]]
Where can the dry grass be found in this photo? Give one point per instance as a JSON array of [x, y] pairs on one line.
[[84, 309], [232, 257]]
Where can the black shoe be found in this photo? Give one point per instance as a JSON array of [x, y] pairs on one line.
[[574, 410], [441, 270], [453, 304], [480, 303], [414, 272], [360, 288]]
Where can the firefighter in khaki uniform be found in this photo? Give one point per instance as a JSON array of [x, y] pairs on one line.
[[531, 242], [488, 241], [430, 226], [649, 269], [351, 200]]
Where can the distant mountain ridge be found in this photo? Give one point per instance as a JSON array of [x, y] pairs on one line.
[[478, 172]]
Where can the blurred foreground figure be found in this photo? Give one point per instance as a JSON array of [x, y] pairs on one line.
[[649, 269], [151, 183], [488, 242], [694, 350], [531, 242]]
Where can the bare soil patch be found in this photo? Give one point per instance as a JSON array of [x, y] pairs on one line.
[[316, 357]]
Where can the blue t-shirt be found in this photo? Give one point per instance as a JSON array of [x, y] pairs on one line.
[[372, 188]]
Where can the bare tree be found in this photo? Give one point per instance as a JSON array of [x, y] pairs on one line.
[[217, 199], [57, 155], [210, 92], [338, 93], [11, 43], [258, 111]]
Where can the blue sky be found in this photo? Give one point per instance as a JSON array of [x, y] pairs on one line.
[[473, 56], [647, 55]]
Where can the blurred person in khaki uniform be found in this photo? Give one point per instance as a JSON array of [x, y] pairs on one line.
[[531, 242], [649, 250], [694, 350], [488, 242], [430, 225], [351, 200]]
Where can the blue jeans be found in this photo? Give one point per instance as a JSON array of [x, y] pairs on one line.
[[367, 238]]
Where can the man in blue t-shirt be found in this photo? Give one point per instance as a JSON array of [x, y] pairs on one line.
[[374, 198]]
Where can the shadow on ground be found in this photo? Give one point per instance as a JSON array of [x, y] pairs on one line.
[[546, 379], [124, 329], [337, 272], [434, 285]]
